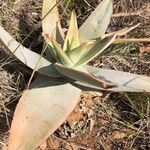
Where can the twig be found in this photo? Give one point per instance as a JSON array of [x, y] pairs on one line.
[[138, 13], [127, 14], [131, 40]]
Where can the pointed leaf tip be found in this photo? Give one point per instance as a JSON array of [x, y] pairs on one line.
[[50, 21], [62, 56], [40, 111], [96, 24], [26, 56], [49, 14], [72, 39], [94, 50], [126, 82]]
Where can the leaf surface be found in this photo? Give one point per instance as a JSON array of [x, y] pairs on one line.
[[81, 75], [51, 25], [72, 38], [77, 53], [28, 57], [84, 54], [50, 21], [126, 82], [64, 59], [96, 24], [40, 111]]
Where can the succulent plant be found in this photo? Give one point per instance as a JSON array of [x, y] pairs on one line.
[[64, 73]]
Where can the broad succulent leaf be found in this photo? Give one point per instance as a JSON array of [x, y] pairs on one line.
[[72, 38], [40, 111], [80, 51], [51, 25], [28, 57], [84, 55], [50, 19], [80, 74], [96, 24], [126, 82], [62, 56]]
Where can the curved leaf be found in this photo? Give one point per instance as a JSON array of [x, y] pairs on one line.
[[62, 56], [72, 38], [40, 111], [50, 21], [28, 57], [123, 31], [81, 75], [96, 24], [126, 82], [83, 54], [77, 53]]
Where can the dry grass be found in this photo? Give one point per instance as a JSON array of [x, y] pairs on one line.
[[12, 83], [110, 122]]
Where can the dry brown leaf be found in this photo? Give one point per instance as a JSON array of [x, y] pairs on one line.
[[103, 121], [144, 49], [74, 117], [116, 135], [83, 108], [71, 146], [53, 143], [87, 102]]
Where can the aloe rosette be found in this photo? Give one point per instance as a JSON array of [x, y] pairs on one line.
[[64, 73]]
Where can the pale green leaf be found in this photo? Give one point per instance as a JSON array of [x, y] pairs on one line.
[[76, 54], [51, 25], [81, 75], [96, 24], [126, 82], [59, 35], [50, 21], [85, 55], [28, 57], [72, 38], [50, 16], [62, 56], [40, 111]]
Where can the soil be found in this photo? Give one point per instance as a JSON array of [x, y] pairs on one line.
[[109, 121]]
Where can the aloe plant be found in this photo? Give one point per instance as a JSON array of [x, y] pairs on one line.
[[44, 106]]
